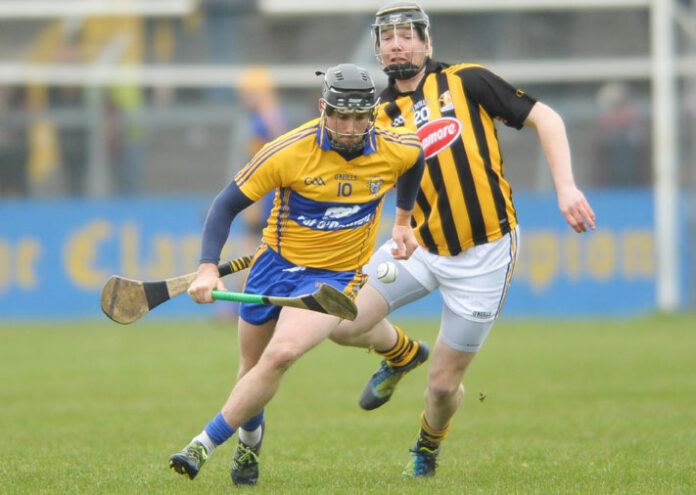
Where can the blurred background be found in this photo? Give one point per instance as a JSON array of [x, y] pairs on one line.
[[120, 120]]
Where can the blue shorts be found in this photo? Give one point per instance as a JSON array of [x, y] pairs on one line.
[[273, 275]]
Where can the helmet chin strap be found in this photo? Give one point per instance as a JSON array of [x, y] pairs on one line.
[[336, 145], [404, 71]]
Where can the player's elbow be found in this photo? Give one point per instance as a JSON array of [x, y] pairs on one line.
[[543, 116]]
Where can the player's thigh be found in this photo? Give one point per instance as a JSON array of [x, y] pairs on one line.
[[461, 333], [252, 339], [372, 308], [474, 283], [413, 280], [297, 331]]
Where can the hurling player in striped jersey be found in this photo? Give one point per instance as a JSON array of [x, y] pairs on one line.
[[464, 217]]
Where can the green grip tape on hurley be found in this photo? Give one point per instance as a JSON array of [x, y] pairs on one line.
[[238, 297]]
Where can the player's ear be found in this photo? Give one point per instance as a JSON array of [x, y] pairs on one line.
[[321, 105]]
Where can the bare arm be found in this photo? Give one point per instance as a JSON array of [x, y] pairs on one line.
[[554, 141]]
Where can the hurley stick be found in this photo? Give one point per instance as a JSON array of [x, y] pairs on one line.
[[125, 300], [325, 299]]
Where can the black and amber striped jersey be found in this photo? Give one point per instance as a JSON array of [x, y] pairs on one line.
[[464, 198]]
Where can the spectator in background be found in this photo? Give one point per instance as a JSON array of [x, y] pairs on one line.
[[48, 173], [73, 139], [14, 152], [72, 129], [43, 167], [121, 41], [622, 144], [128, 138], [266, 120]]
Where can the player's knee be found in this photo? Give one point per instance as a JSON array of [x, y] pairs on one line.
[[347, 333], [442, 390], [280, 358]]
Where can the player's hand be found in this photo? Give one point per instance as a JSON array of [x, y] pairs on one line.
[[405, 240], [576, 209], [205, 282]]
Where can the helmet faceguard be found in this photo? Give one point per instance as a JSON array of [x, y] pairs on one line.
[[388, 21], [350, 101]]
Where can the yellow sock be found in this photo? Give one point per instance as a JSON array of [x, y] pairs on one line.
[[403, 351], [431, 436]]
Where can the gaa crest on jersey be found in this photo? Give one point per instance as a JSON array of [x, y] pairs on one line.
[[374, 184], [446, 103], [439, 134], [314, 181]]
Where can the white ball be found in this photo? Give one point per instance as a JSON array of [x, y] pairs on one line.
[[387, 272]]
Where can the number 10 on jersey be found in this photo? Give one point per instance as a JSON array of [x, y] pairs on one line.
[[344, 189]]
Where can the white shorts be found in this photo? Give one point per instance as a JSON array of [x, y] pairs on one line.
[[473, 285]]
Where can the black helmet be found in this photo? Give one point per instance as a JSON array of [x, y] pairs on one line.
[[348, 89], [401, 14]]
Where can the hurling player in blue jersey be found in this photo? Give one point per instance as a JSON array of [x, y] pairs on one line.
[[330, 176]]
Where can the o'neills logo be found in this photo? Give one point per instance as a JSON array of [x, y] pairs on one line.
[[439, 134]]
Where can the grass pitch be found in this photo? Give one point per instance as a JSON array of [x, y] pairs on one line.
[[586, 407]]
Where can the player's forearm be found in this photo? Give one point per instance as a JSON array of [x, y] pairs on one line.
[[215, 232], [557, 151], [554, 141], [402, 217]]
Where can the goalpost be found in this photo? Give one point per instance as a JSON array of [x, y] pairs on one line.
[[664, 155]]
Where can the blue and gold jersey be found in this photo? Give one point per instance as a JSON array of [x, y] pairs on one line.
[[326, 208]]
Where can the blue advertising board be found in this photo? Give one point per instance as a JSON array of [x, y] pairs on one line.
[[56, 255]]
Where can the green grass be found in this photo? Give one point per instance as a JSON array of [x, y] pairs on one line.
[[572, 407]]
